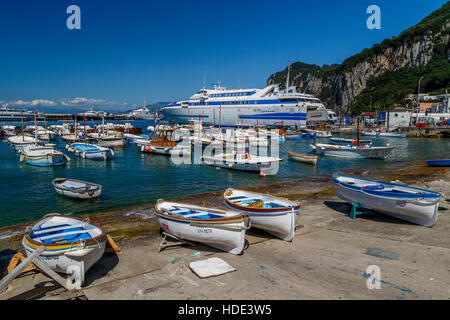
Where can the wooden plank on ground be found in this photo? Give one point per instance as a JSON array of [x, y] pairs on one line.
[[112, 246], [18, 270]]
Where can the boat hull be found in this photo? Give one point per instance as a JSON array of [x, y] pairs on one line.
[[227, 232], [353, 152], [439, 163], [305, 158], [69, 258], [278, 221], [46, 160], [264, 165], [417, 210]]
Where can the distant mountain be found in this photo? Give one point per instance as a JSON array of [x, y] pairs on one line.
[[383, 74]]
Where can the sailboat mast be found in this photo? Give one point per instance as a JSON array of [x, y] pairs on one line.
[[357, 131], [287, 78]]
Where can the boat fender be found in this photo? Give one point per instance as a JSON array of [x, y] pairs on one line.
[[83, 155], [22, 157], [78, 252]]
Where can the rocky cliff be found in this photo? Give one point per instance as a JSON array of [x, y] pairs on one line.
[[339, 86]]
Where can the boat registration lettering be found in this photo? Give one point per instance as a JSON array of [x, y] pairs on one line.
[[204, 230]]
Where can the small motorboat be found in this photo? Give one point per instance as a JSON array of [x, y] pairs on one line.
[[384, 134], [353, 151], [22, 140], [439, 163], [419, 206], [217, 228], [76, 189], [301, 157], [90, 151], [277, 216], [72, 245], [43, 156], [243, 161]]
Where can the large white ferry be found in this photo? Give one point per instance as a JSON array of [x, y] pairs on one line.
[[244, 107]]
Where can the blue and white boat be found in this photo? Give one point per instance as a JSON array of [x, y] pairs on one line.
[[439, 163], [218, 228], [72, 245], [415, 205], [90, 151], [245, 107], [43, 156]]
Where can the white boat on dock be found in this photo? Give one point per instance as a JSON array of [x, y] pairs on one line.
[[275, 215], [72, 245], [217, 228], [76, 188], [418, 206]]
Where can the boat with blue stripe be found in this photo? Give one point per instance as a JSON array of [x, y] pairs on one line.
[[217, 228], [415, 205], [275, 215], [72, 245], [439, 163], [90, 151]]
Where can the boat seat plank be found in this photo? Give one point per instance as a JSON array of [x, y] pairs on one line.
[[236, 198], [53, 226], [64, 234], [57, 229]]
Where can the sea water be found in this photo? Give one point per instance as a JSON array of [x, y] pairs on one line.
[[134, 178]]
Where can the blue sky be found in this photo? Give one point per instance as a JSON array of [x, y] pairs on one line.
[[128, 51]]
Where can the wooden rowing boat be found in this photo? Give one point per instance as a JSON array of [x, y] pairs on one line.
[[275, 215], [301, 157], [221, 229]]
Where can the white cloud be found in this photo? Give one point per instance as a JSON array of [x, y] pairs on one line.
[[41, 102], [78, 102]]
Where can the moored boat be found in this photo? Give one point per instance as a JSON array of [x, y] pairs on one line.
[[243, 161], [21, 140], [76, 188], [43, 156], [275, 215], [90, 151], [221, 229], [353, 151], [385, 134], [415, 205], [72, 245], [301, 157]]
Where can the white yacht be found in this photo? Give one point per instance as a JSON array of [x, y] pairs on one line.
[[142, 114], [8, 114], [94, 115]]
